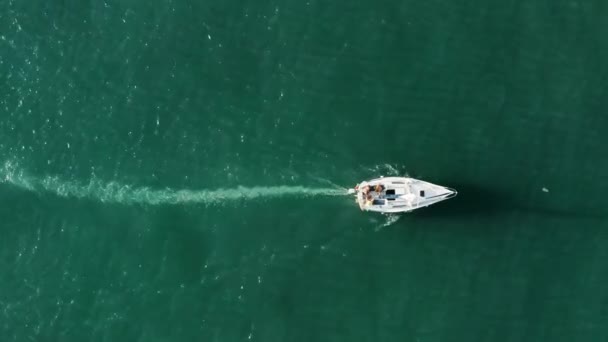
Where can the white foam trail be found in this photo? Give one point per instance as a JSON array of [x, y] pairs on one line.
[[114, 192], [388, 170], [390, 219]]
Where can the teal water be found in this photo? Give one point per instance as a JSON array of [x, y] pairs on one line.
[[175, 170]]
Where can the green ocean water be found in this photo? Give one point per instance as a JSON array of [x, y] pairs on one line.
[[175, 170]]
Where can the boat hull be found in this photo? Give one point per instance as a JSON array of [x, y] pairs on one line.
[[399, 194]]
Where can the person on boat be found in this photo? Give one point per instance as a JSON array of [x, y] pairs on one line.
[[369, 199], [378, 188]]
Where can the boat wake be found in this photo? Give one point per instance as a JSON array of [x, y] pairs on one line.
[[388, 170], [390, 220], [114, 192]]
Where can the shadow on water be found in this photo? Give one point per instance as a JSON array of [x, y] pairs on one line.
[[472, 200], [480, 202]]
